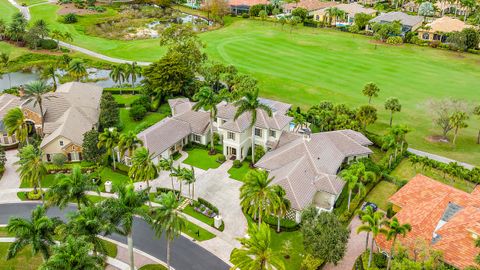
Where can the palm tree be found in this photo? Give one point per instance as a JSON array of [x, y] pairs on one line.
[[36, 232], [258, 196], [31, 167], [143, 168], [117, 74], [5, 61], [122, 210], [256, 251], [372, 224], [251, 104], [67, 36], [73, 253], [89, 222], [284, 205], [77, 69], [208, 100], [49, 72], [167, 165], [128, 142], [72, 187], [167, 219], [394, 230], [109, 139], [132, 71], [56, 35], [367, 212], [14, 122], [35, 92], [178, 173], [188, 175], [352, 182]]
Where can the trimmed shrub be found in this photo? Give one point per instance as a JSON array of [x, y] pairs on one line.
[[245, 16], [259, 152], [379, 260], [59, 160], [285, 224], [34, 196], [48, 44], [221, 159], [142, 101], [137, 112], [396, 40], [122, 167], [70, 18], [209, 205], [237, 163]]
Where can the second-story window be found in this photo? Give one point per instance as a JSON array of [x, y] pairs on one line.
[[258, 132], [273, 133], [231, 135], [61, 143]]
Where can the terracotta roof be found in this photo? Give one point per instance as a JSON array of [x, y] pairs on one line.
[[304, 167], [310, 5], [441, 215], [446, 25]]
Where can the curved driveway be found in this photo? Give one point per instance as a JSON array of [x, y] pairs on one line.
[[185, 255]]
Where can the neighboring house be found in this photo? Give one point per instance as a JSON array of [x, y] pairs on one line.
[[441, 216], [7, 102], [309, 5], [236, 135], [409, 23], [306, 166], [450, 7], [170, 135], [410, 7], [243, 6], [69, 113], [438, 29], [352, 9]]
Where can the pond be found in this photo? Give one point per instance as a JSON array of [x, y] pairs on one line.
[[98, 76]]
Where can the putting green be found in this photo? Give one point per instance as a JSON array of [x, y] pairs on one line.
[[310, 65]]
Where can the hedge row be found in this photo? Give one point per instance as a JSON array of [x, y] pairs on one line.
[[125, 91], [285, 224], [209, 205]]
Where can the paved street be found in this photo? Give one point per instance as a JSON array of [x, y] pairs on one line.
[[186, 255]]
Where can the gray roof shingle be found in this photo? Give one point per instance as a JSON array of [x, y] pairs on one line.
[[405, 19]]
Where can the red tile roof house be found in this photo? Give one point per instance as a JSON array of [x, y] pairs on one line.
[[446, 218]]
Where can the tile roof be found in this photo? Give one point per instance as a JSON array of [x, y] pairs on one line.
[[180, 105], [246, 2], [305, 166], [405, 19], [442, 216], [446, 25], [354, 8], [310, 5]]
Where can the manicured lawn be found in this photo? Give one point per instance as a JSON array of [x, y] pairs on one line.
[[31, 2], [319, 64], [116, 177], [199, 157], [130, 125], [377, 155], [380, 194], [296, 238], [239, 173], [196, 232], [153, 267], [405, 170], [110, 247], [4, 232], [23, 261], [48, 181], [6, 10], [125, 99]]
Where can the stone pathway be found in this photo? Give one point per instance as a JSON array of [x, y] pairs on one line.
[[10, 178], [439, 158]]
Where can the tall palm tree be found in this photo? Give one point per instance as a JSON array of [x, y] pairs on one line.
[[76, 69], [188, 175], [251, 104], [73, 253], [14, 122], [71, 187], [35, 92], [89, 222], [372, 224], [208, 100], [117, 74], [258, 196], [394, 230], [5, 61], [31, 167], [177, 172], [167, 165], [132, 71], [49, 72], [56, 35], [36, 232], [122, 210], [352, 182], [128, 142], [167, 219], [143, 168], [284, 205], [367, 212], [109, 139], [256, 251]]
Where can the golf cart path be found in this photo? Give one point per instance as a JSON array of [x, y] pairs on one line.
[[26, 12]]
